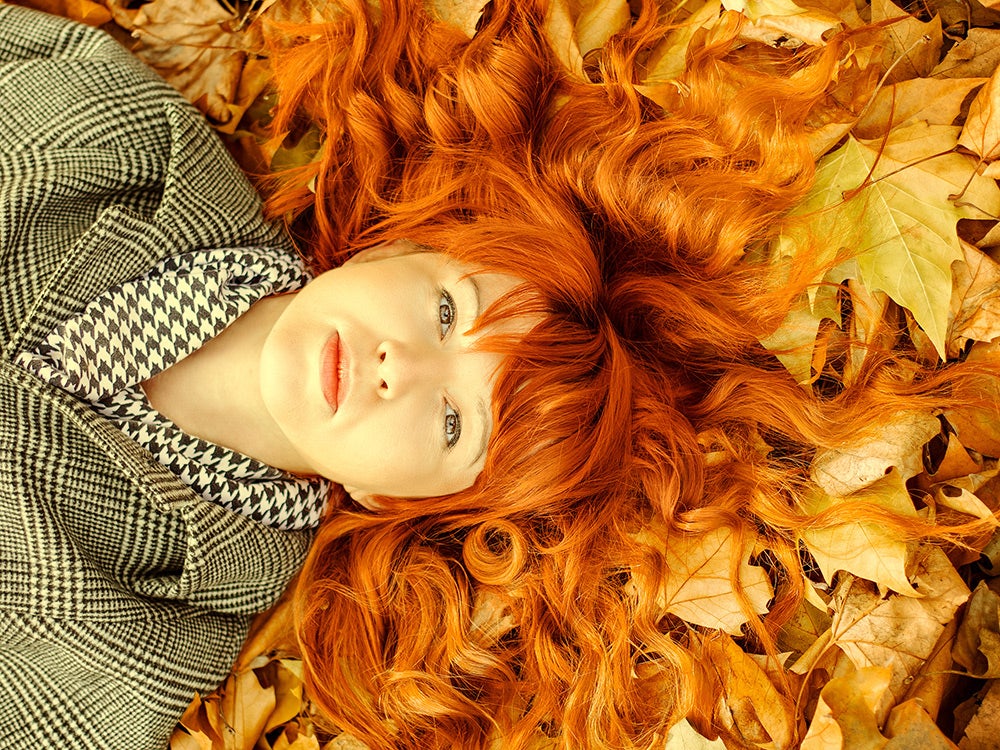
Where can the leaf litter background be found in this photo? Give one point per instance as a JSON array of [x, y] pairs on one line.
[[896, 646]]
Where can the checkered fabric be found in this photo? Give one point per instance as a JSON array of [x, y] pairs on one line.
[[122, 590], [138, 329]]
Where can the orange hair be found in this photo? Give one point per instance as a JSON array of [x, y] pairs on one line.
[[525, 606]]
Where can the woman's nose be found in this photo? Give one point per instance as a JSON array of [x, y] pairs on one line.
[[401, 367]]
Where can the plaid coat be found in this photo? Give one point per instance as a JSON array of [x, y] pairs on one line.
[[121, 591]]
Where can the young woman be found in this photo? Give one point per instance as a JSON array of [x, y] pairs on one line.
[[527, 610], [178, 396]]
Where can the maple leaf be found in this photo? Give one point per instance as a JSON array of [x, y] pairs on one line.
[[975, 301], [983, 729], [976, 56], [863, 548], [667, 60], [915, 46], [197, 46], [753, 708], [977, 643], [930, 100], [683, 736], [697, 585], [846, 712], [897, 444], [901, 227], [897, 632], [84, 11], [981, 133]]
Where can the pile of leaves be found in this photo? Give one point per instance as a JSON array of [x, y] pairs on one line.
[[896, 645]]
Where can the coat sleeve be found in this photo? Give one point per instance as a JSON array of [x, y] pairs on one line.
[[121, 591]]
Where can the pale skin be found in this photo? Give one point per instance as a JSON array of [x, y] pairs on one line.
[[367, 376]]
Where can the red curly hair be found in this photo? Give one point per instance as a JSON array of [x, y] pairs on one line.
[[526, 606]]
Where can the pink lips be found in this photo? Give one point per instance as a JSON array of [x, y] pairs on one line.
[[331, 370]]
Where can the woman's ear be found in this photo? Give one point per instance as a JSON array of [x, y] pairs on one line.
[[362, 498], [387, 250]]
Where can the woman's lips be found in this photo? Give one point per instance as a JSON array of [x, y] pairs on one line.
[[331, 369]]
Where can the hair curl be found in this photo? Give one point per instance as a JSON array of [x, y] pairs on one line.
[[526, 606]]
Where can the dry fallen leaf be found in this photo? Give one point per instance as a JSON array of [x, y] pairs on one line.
[[931, 100], [897, 444], [697, 586]]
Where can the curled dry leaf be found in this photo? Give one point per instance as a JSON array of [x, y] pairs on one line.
[[782, 23], [752, 708], [977, 644], [930, 100], [984, 728], [981, 133], [847, 709], [978, 424], [577, 27], [194, 44], [977, 56], [683, 736], [914, 46]]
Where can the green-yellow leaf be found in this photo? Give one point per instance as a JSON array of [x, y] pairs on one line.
[[900, 228]]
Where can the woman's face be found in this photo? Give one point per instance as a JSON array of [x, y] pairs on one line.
[[371, 376]]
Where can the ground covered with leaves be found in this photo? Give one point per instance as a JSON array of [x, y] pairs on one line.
[[896, 645]]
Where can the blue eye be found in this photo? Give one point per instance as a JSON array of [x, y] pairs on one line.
[[452, 426], [446, 312]]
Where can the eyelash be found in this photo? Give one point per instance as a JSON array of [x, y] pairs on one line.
[[447, 313], [446, 307], [452, 426]]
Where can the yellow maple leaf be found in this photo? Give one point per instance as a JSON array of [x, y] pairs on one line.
[[900, 225], [698, 583]]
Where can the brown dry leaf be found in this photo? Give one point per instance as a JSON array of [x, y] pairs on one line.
[[978, 427], [981, 133], [195, 732], [977, 56], [682, 736], [750, 706], [84, 11], [977, 644], [898, 444], [462, 14], [984, 728], [871, 329], [930, 100], [915, 46], [975, 301], [899, 633], [192, 43], [845, 716], [246, 707], [957, 463], [667, 60], [804, 628], [910, 728], [782, 23], [577, 27]]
